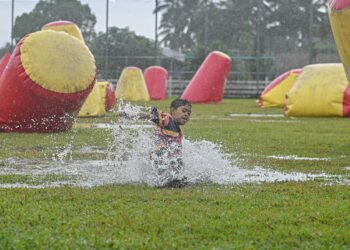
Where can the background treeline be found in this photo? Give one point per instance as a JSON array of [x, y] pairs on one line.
[[291, 32]]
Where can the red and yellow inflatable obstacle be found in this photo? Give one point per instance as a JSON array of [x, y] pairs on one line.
[[339, 15], [318, 91], [274, 94], [47, 79], [65, 26]]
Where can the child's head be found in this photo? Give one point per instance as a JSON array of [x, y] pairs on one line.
[[180, 110]]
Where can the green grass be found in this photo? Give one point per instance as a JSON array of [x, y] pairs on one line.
[[288, 215]]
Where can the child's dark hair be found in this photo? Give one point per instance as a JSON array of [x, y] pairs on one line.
[[180, 102]]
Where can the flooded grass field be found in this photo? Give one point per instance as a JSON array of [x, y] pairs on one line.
[[263, 175]]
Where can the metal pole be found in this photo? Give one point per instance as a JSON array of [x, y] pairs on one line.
[[106, 56], [311, 45], [156, 34], [206, 28], [258, 48], [12, 21]]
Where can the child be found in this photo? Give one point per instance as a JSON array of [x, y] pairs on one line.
[[166, 157]]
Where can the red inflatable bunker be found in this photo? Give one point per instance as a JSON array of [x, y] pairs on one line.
[[110, 97], [156, 78], [208, 84], [45, 83], [4, 61]]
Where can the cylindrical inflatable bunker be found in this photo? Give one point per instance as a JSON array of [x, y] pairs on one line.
[[66, 26], [110, 97], [318, 91], [45, 83], [156, 78], [208, 84], [339, 15]]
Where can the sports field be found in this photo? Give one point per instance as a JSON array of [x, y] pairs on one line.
[[309, 214]]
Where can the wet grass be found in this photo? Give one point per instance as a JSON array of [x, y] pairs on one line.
[[311, 215], [274, 216]]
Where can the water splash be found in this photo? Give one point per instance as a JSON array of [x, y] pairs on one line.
[[128, 161]]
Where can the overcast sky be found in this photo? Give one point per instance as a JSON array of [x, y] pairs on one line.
[[135, 14]]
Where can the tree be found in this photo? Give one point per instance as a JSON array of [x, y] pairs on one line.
[[54, 10], [124, 46], [176, 24]]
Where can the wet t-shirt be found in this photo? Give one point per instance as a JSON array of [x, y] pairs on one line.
[[168, 133]]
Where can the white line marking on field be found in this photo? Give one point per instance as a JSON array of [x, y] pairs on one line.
[[297, 158], [256, 115]]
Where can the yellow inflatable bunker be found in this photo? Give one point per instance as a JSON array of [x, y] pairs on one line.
[[320, 90], [131, 85], [274, 94], [93, 105]]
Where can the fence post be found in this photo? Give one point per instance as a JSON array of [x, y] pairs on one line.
[[170, 92]]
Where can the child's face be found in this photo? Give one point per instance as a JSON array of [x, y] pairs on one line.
[[181, 115]]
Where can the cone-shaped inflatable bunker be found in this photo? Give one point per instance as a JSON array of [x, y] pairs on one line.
[[207, 85], [107, 94], [3, 62], [131, 85], [46, 81], [339, 15], [66, 26], [156, 78], [318, 91], [93, 105], [274, 95]]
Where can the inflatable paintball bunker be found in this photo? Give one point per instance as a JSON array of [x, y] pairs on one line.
[[93, 105], [107, 94], [131, 85], [42, 87], [66, 26], [320, 90], [156, 78], [208, 84], [3, 62], [339, 15], [274, 94]]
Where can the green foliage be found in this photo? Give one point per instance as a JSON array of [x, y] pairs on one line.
[[251, 27], [122, 44], [55, 10]]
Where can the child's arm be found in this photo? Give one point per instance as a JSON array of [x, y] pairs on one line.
[[139, 115]]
